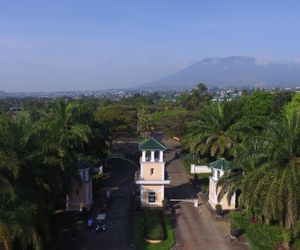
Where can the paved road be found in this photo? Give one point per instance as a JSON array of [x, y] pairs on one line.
[[194, 228], [119, 214]]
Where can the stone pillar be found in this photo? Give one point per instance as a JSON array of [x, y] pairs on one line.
[[161, 156], [143, 156], [152, 156]]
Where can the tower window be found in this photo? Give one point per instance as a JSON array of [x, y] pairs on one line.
[[151, 197], [151, 171]]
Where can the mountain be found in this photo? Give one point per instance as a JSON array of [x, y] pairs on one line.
[[2, 93], [234, 71]]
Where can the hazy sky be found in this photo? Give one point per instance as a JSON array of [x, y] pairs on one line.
[[82, 45]]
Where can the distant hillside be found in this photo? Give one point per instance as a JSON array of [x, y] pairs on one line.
[[234, 71], [2, 93]]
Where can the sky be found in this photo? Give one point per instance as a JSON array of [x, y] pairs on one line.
[[62, 45]]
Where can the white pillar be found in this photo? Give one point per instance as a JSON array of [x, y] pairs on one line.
[[192, 168], [152, 156], [161, 156], [162, 193], [143, 156]]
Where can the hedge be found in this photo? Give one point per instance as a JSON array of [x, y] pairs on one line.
[[139, 233]]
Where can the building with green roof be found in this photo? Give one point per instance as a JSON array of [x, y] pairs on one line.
[[151, 178], [219, 168]]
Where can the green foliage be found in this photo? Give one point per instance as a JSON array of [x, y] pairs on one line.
[[219, 209], [280, 99], [38, 161], [293, 106], [119, 118], [188, 159], [213, 134], [139, 236], [203, 179], [259, 235], [171, 121], [296, 244], [154, 229], [196, 99]]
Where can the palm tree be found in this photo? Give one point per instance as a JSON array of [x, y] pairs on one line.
[[271, 172], [62, 141], [213, 133], [248, 155], [17, 224], [17, 217]]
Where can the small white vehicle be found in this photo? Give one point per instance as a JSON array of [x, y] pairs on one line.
[[101, 223]]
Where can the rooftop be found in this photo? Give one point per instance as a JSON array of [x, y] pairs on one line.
[[220, 164], [152, 144]]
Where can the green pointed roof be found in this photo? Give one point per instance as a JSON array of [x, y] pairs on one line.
[[152, 144], [220, 164]]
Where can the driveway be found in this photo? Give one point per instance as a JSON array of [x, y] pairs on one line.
[[119, 213], [194, 228]]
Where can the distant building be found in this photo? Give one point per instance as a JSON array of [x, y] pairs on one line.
[[81, 195], [152, 178], [219, 168]]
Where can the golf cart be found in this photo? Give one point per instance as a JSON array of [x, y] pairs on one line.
[[101, 223]]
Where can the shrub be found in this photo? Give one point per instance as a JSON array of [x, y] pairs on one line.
[[260, 236], [139, 237], [219, 209], [296, 230], [166, 204], [296, 244], [204, 179], [154, 229], [204, 190]]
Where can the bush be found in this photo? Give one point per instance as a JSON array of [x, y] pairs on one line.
[[219, 209], [296, 244], [260, 236], [154, 229], [296, 230], [139, 236], [204, 179], [166, 204]]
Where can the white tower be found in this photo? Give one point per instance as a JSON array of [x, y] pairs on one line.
[[81, 195], [151, 178], [219, 168]]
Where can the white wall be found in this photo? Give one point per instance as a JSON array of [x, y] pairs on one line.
[[199, 169]]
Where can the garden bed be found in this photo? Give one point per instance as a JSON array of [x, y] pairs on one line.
[[153, 230], [154, 225]]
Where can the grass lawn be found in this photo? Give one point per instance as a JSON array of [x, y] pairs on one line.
[[139, 232]]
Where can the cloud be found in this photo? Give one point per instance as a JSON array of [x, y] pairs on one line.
[[296, 60], [265, 61]]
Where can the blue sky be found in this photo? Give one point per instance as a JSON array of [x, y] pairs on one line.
[[88, 45]]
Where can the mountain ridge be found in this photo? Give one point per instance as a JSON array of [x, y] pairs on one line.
[[233, 71]]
